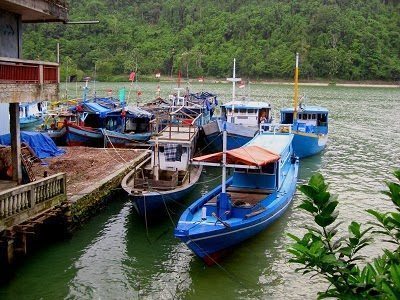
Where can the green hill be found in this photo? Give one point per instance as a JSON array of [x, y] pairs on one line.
[[337, 39]]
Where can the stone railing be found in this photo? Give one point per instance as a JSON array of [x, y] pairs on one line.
[[19, 203]]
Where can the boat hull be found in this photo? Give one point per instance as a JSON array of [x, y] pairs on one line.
[[123, 140], [237, 135], [30, 122], [211, 244], [152, 204], [155, 204], [308, 144], [81, 136]]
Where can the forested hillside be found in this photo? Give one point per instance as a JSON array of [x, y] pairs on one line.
[[336, 39]]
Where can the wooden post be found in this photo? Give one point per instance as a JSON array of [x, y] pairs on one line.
[[15, 142]]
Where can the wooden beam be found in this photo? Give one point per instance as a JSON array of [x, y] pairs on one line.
[[15, 142]]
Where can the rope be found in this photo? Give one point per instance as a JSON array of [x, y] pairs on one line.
[[106, 135], [198, 152]]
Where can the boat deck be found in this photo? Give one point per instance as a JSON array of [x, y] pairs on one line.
[[176, 133], [243, 197]]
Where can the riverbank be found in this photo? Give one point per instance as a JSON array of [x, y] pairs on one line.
[[304, 82]]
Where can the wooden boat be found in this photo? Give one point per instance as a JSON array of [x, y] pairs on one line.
[[31, 114], [309, 124], [83, 136], [122, 140], [242, 117], [258, 193], [166, 177]]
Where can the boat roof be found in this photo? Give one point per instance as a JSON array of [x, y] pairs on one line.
[[175, 134], [275, 143], [307, 109], [246, 104], [251, 155]]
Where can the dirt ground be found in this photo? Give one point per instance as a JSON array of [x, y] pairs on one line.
[[84, 165]]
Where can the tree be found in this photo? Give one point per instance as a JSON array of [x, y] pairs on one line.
[[321, 252]]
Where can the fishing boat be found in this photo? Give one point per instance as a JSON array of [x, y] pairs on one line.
[[167, 176], [83, 136], [242, 117], [258, 193], [31, 114], [123, 140], [309, 124]]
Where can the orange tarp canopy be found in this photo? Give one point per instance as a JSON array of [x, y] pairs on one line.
[[249, 155]]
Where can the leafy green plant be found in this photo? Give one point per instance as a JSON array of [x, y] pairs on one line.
[[322, 252]]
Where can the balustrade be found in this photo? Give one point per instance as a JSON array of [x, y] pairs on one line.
[[26, 197]]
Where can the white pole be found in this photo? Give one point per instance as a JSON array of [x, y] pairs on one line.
[[234, 82], [224, 159]]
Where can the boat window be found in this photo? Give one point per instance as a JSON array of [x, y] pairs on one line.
[[243, 111], [309, 116], [251, 111], [161, 149], [268, 169], [236, 110], [300, 116], [313, 116]]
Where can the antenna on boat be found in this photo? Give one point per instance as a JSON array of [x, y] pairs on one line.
[[234, 80], [296, 87]]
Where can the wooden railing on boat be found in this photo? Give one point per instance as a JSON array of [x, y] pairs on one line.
[[21, 202]]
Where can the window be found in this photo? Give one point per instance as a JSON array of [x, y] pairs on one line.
[[236, 111], [313, 116], [251, 111]]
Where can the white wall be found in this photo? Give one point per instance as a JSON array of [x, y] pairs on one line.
[[4, 119]]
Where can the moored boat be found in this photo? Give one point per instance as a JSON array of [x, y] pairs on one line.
[[309, 124], [31, 114], [243, 118], [258, 193], [310, 129], [166, 177], [83, 136], [122, 140]]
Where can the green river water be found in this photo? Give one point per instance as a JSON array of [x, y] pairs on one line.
[[114, 255]]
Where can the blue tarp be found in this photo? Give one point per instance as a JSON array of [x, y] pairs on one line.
[[41, 143], [96, 108], [138, 112]]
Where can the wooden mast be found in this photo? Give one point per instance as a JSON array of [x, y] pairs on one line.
[[296, 88], [233, 80]]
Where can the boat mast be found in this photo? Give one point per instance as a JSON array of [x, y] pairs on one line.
[[233, 80], [296, 87], [224, 158], [156, 160]]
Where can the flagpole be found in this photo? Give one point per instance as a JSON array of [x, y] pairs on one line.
[[233, 80]]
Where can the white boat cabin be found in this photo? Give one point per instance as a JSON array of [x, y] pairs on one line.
[[34, 109], [247, 113], [174, 147]]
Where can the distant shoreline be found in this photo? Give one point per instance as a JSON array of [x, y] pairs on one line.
[[211, 80]]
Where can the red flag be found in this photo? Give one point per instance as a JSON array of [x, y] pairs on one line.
[[132, 76]]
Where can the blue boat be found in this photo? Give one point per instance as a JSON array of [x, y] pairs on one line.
[[243, 118], [309, 124], [122, 140], [258, 193], [310, 129], [31, 114], [166, 177]]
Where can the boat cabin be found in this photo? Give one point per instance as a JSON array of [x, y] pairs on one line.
[[247, 113], [308, 118], [173, 147], [34, 109]]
